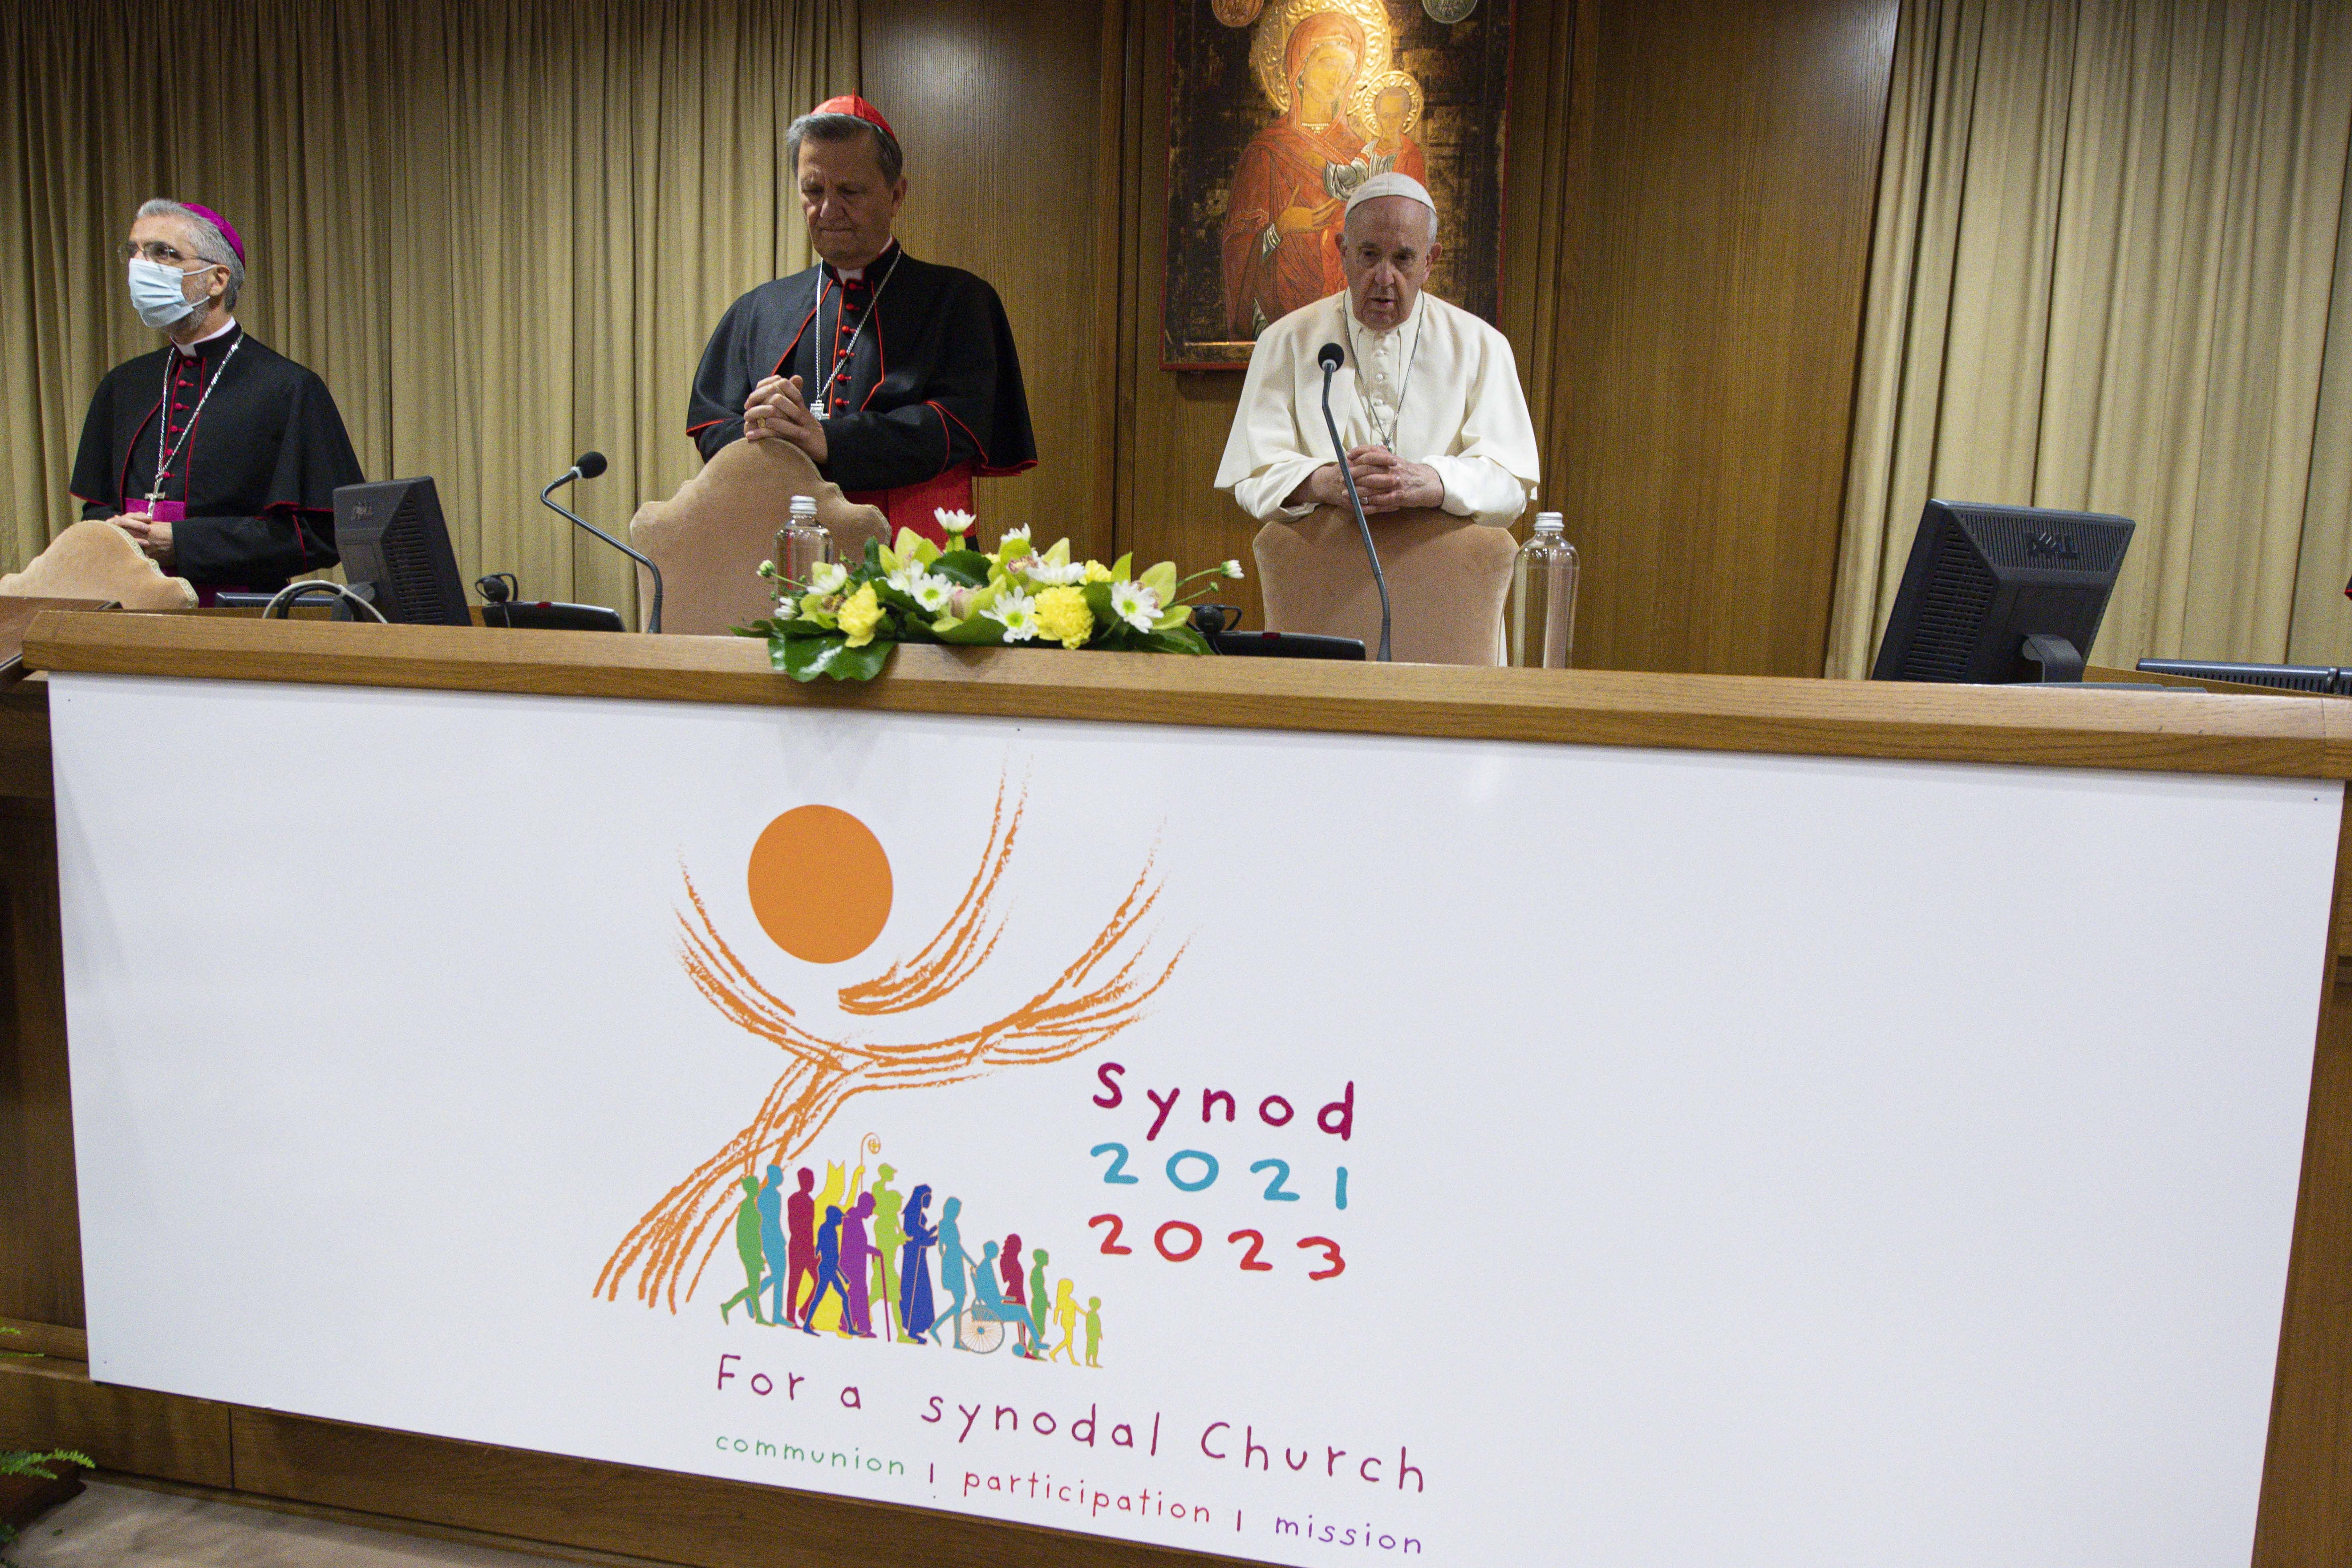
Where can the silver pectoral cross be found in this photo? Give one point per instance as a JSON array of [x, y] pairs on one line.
[[156, 494], [816, 408]]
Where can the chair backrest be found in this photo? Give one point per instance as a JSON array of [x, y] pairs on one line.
[[710, 537], [1447, 580], [95, 559]]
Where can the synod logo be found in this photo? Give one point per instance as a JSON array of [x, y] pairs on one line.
[[846, 1256]]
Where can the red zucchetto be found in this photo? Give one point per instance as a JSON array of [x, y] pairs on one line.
[[850, 103]]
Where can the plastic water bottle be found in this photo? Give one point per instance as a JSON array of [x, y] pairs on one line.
[[1543, 597], [802, 546]]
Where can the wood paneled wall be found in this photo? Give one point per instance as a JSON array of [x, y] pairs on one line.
[[1012, 137], [1704, 361], [1691, 185]]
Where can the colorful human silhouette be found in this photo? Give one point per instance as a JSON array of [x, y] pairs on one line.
[[828, 1271], [1066, 1317], [857, 1255], [751, 1248], [778, 1239], [888, 1238], [1038, 1305], [800, 1212], [989, 1305], [1010, 1266], [954, 1267], [840, 1191], [915, 1314]]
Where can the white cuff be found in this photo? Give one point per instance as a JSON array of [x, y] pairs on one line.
[[1481, 489]]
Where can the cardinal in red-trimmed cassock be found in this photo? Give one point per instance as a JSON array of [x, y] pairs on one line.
[[898, 377]]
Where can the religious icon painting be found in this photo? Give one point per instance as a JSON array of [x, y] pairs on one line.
[[1278, 110]]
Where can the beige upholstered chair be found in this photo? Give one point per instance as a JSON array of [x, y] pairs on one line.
[[710, 537], [1447, 580], [95, 559]]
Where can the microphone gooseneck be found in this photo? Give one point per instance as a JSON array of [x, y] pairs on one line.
[[590, 464], [1330, 358]]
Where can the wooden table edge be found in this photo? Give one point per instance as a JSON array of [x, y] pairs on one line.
[[2158, 731]]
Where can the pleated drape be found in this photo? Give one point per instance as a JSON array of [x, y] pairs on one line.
[[500, 229], [2111, 272]]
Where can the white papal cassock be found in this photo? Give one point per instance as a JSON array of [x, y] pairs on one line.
[[1442, 379]]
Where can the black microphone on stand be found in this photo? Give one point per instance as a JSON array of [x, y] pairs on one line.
[[1331, 358], [590, 464]]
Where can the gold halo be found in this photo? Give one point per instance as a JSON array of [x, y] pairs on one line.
[[1361, 112], [1281, 18]]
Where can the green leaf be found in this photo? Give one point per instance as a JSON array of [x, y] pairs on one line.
[[1178, 640], [806, 659], [977, 632], [969, 567]]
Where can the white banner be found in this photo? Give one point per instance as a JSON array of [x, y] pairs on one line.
[[1478, 1153]]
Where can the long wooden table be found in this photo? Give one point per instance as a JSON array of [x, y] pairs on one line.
[[428, 1483]]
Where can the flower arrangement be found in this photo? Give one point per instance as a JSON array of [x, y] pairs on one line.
[[845, 619]]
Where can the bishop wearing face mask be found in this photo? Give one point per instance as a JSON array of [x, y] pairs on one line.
[[219, 456]]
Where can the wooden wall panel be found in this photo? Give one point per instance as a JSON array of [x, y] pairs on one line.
[[1705, 363], [40, 1240], [52, 1404], [1011, 135]]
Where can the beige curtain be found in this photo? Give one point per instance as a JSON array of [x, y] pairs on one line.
[[500, 229], [2111, 272]]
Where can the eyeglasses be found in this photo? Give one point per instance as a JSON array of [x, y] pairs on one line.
[[155, 250]]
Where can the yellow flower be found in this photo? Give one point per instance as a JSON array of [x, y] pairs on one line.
[[1097, 573], [859, 614], [1062, 614]]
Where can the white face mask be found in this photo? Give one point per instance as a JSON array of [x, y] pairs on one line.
[[158, 293]]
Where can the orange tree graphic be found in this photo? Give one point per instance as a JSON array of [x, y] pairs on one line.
[[1101, 992]]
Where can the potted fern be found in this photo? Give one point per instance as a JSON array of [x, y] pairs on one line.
[[33, 1481]]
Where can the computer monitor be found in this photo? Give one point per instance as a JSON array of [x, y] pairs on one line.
[[2001, 594], [395, 549], [2323, 679]]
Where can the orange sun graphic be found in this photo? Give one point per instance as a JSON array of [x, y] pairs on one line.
[[821, 887], [820, 884]]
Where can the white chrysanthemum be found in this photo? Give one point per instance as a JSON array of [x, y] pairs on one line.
[[933, 592], [1231, 569], [828, 577], [1136, 605], [952, 521], [1045, 574], [903, 579], [1017, 614]]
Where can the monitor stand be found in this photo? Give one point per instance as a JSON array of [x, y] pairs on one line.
[[2058, 658]]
